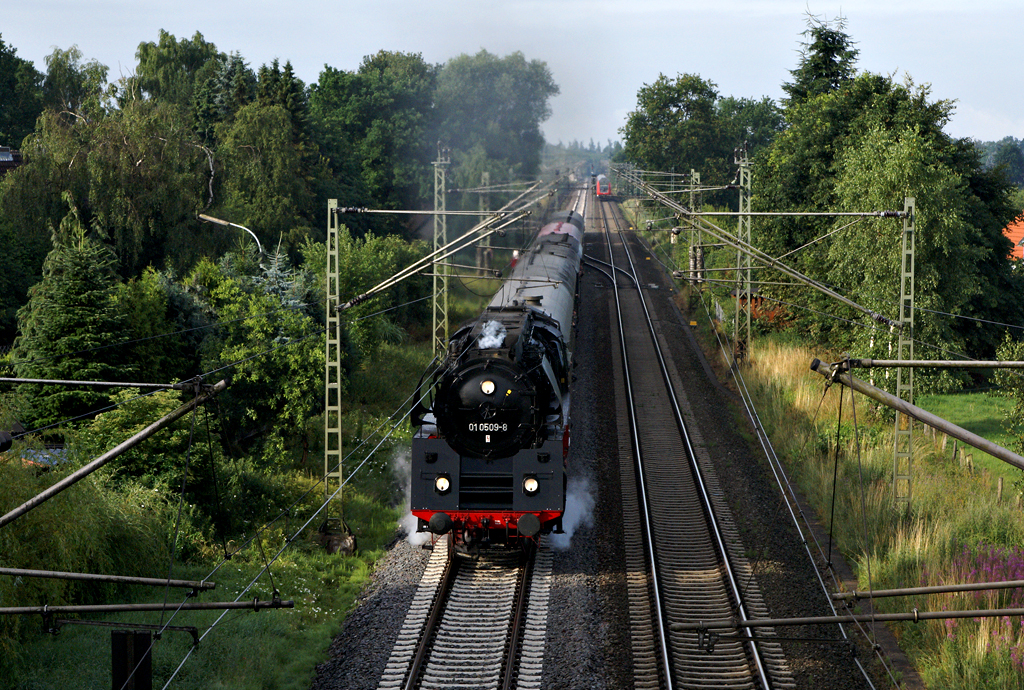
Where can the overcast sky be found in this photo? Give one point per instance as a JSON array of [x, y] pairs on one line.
[[600, 52]]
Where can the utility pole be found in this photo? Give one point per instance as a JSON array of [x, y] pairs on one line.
[[484, 253], [332, 377], [696, 236], [903, 445], [741, 325], [440, 321]]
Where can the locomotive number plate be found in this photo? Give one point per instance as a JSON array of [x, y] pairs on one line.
[[485, 426]]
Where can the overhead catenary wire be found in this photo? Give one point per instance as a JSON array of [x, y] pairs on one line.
[[505, 216], [791, 501], [740, 245]]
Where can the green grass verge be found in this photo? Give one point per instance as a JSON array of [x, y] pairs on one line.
[[955, 529], [981, 414], [261, 650]]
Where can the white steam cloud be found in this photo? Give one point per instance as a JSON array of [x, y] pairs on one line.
[[492, 336], [402, 466], [579, 507]]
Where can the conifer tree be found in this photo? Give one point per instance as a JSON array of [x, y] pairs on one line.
[[70, 313], [827, 60]]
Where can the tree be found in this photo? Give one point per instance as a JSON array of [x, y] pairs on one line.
[[156, 325], [379, 131], [798, 171], [137, 176], [73, 88], [169, 69], [883, 167], [677, 127], [21, 83], [827, 60], [268, 329], [265, 186], [1009, 156], [71, 313], [751, 122], [219, 95], [498, 105], [864, 147]]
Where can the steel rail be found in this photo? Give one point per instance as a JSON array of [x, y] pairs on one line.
[[790, 499], [518, 617], [698, 474], [419, 660], [648, 532]]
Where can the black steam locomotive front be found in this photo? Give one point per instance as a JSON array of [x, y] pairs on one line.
[[491, 467]]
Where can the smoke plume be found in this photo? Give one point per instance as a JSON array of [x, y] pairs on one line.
[[579, 506]]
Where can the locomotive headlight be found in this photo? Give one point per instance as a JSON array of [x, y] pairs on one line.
[[531, 485], [487, 387], [442, 484]]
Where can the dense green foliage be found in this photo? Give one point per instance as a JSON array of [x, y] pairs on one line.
[[71, 314], [108, 273], [684, 124], [852, 142], [21, 84], [827, 61], [863, 144]]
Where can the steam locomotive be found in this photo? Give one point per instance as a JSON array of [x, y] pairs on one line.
[[489, 457]]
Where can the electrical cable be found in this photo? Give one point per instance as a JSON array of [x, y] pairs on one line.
[[783, 481]]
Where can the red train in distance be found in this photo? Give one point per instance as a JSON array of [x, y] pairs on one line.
[[602, 186]]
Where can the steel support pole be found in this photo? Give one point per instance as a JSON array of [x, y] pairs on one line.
[[923, 416], [254, 605], [913, 616], [122, 579], [903, 443], [333, 448], [483, 250], [440, 319], [936, 589], [741, 324]]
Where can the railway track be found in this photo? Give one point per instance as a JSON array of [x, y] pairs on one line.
[[684, 558], [475, 623]]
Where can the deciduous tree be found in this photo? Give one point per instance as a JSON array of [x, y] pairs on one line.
[[22, 87], [677, 127]]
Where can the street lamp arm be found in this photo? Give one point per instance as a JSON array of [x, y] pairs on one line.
[[218, 221]]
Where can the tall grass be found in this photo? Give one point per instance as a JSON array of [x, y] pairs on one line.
[[954, 529], [99, 526]]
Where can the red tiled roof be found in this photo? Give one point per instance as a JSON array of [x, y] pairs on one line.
[[1015, 231]]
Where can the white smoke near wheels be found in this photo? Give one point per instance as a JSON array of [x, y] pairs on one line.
[[579, 508], [401, 465]]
